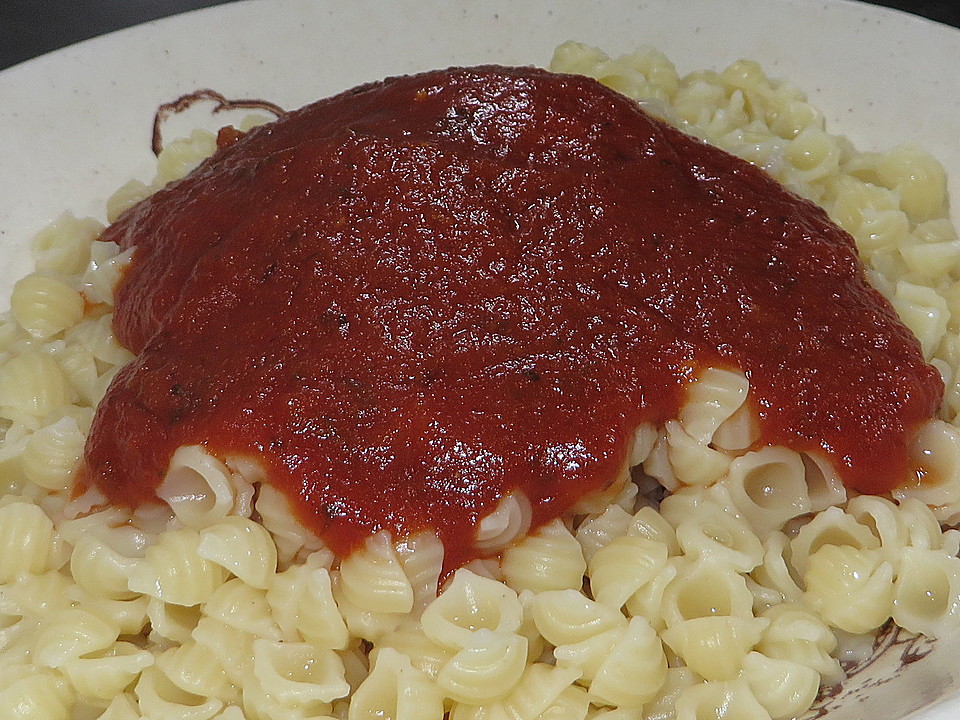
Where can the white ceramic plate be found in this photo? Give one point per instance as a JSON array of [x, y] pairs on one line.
[[76, 124]]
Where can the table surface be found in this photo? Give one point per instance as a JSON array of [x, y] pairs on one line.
[[32, 27]]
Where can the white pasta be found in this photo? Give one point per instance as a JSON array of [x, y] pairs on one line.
[[369, 625], [130, 615], [643, 439], [32, 386], [710, 623], [714, 646], [658, 466], [298, 674], [173, 570], [540, 686], [921, 527], [784, 688], [648, 600], [27, 541], [52, 454], [422, 558], [373, 579], [595, 532], [470, 603], [232, 647], [693, 462], [918, 178], [157, 696], [106, 674], [510, 521], [98, 337], [796, 633], [937, 447], [933, 247], [484, 670], [623, 566], [99, 569], [740, 431], [849, 587], [769, 486], [33, 596], [293, 541], [710, 577], [70, 634], [45, 306], [926, 593], [126, 196], [241, 546], [195, 669], [566, 617], [302, 603], [182, 155], [663, 705], [122, 707], [63, 247], [573, 703], [712, 398], [924, 312], [588, 655], [244, 608], [170, 622], [201, 489], [732, 698], [11, 467], [810, 156], [885, 520], [425, 654], [776, 572], [550, 559], [714, 534], [649, 524], [29, 694], [634, 669], [831, 527], [103, 271], [397, 690]]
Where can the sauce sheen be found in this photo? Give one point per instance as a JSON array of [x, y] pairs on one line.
[[414, 297]]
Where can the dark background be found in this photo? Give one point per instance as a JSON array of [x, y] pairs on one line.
[[33, 27]]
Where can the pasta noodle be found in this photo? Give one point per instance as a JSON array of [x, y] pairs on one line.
[[633, 670], [242, 547], [622, 567], [851, 588], [711, 579], [550, 559], [45, 306], [784, 688]]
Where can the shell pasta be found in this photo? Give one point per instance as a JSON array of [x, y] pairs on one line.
[[713, 578]]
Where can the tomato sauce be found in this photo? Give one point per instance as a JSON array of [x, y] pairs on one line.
[[416, 296]]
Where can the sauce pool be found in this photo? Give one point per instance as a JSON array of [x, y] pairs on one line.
[[412, 298]]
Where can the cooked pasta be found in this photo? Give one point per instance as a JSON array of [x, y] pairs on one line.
[[302, 604], [173, 570], [623, 566], [851, 588], [550, 559], [633, 670], [201, 490], [45, 306], [712, 580]]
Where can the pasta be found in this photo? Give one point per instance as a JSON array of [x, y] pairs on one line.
[[711, 580], [550, 559]]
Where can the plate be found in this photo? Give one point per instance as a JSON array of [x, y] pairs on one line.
[[76, 124]]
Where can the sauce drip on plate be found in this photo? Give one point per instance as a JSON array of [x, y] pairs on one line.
[[412, 298]]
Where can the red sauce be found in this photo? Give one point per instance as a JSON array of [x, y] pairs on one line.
[[413, 297]]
